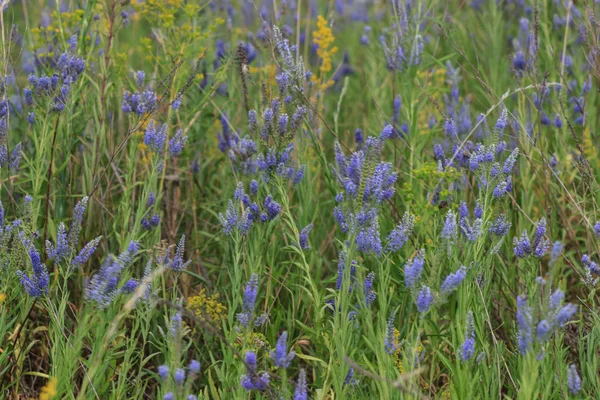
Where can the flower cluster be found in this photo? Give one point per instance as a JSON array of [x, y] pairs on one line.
[[542, 325], [143, 100], [413, 271], [525, 48], [468, 347], [150, 220], [323, 38], [247, 317], [538, 247], [242, 214], [57, 87], [66, 243], [173, 256], [367, 184], [252, 380], [280, 356], [180, 377], [592, 270], [12, 160], [472, 230], [36, 284], [105, 285], [403, 37], [155, 138]]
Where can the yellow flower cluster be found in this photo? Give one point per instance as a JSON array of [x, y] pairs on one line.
[[49, 391], [589, 148], [251, 341], [180, 33], [207, 308], [164, 13], [67, 23], [323, 37], [398, 355]]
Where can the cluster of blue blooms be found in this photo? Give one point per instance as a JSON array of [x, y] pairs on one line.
[[280, 356], [106, 285], [538, 247], [179, 376], [275, 156], [242, 212], [151, 219], [247, 318], [156, 140], [366, 185], [142, 101], [56, 88], [63, 251], [403, 45], [424, 298], [539, 326], [13, 160]]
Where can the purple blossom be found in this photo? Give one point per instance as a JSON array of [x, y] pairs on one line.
[[36, 284], [390, 339], [280, 356], [163, 371], [453, 280], [179, 376], [573, 380], [399, 235], [301, 390], [252, 380], [304, 237], [424, 299], [413, 269], [467, 349]]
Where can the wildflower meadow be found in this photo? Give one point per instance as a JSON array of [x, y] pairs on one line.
[[299, 199]]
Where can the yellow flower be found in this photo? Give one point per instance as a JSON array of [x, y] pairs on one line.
[[2, 297], [207, 308], [323, 37], [49, 391]]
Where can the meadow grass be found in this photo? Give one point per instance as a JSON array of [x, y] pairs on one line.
[[294, 199]]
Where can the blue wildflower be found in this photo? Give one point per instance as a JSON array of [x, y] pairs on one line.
[[304, 237], [280, 356], [163, 371], [399, 235], [413, 269], [252, 380], [130, 286], [194, 367], [500, 226], [35, 285], [468, 347], [229, 220], [370, 294], [390, 339], [75, 228], [301, 390], [450, 230], [88, 250], [424, 299], [573, 380], [453, 280], [177, 143], [525, 324], [250, 293], [179, 376]]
